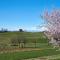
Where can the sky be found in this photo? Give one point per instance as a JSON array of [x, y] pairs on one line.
[[25, 14]]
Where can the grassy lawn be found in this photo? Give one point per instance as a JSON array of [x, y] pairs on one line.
[[41, 42], [31, 38], [28, 54]]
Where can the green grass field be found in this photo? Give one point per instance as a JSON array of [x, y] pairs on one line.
[[28, 54], [41, 43], [30, 36], [39, 37]]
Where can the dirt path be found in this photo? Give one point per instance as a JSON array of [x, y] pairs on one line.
[[19, 49], [46, 57]]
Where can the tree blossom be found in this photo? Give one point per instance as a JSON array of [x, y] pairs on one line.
[[53, 21]]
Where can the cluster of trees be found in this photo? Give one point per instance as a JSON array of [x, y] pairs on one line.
[[6, 30], [19, 40], [21, 30]]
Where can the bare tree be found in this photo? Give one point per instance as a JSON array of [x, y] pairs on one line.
[[14, 41], [19, 41]]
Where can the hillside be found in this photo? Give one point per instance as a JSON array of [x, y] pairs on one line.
[[39, 37]]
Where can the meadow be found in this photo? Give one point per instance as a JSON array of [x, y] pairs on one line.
[[36, 46], [30, 37]]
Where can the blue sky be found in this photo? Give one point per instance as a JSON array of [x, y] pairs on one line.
[[25, 14]]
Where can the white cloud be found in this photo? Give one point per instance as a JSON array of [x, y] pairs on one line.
[[34, 29], [43, 29]]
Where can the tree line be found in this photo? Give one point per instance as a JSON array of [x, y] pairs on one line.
[[6, 30]]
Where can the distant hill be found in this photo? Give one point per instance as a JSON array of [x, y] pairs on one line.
[[6, 37]]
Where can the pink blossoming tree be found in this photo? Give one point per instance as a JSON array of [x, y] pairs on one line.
[[53, 21]]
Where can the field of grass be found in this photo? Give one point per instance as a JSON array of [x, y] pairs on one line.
[[39, 37], [28, 54], [43, 49]]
